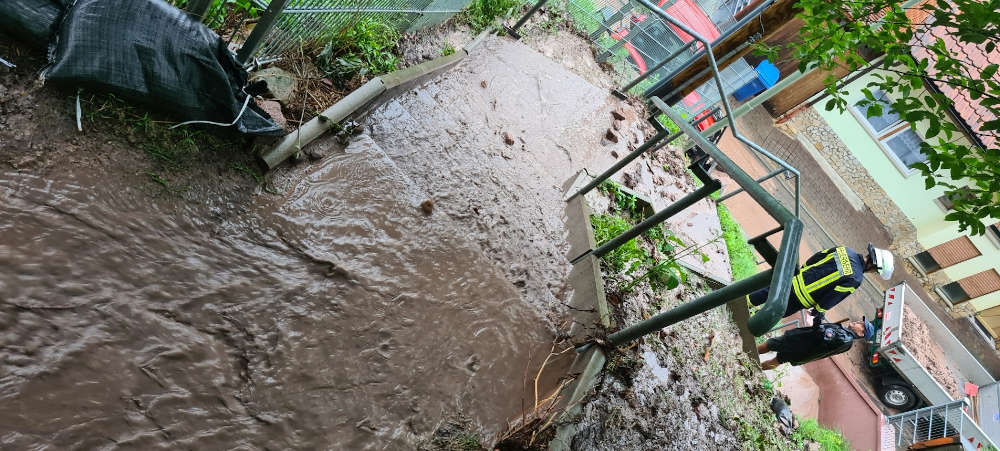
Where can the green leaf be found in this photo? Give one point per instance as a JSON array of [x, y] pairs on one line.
[[928, 182], [672, 282], [933, 129], [990, 70]]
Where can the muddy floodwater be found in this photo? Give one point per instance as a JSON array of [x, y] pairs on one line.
[[336, 317]]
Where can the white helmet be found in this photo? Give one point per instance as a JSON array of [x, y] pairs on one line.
[[882, 260]]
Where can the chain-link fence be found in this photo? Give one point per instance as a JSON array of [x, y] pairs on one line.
[[634, 41], [307, 22]]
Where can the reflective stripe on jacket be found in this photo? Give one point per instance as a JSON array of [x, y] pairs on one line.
[[827, 278]]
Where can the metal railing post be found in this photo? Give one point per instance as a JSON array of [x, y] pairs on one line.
[[703, 304], [762, 179], [512, 31], [622, 163], [652, 221], [267, 20], [787, 262]]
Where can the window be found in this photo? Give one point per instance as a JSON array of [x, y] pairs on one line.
[[947, 201], [993, 232], [925, 262], [888, 119], [897, 139], [954, 293]]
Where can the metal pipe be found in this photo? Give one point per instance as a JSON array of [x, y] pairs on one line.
[[758, 193], [512, 31], [768, 233], [787, 263], [781, 283], [622, 163], [267, 20], [740, 190], [725, 59], [654, 220], [684, 311], [621, 92]]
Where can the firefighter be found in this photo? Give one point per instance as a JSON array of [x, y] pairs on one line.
[[828, 277]]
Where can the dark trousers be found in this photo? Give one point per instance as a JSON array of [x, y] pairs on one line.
[[758, 297]]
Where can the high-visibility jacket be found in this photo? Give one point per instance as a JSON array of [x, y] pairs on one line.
[[822, 282]]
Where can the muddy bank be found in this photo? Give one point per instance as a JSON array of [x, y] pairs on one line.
[[686, 387]]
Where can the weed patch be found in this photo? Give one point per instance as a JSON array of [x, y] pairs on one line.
[[828, 439], [655, 262], [367, 47], [220, 10], [741, 256], [481, 14], [172, 149]]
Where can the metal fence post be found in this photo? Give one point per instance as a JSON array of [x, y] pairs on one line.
[[267, 20], [684, 311], [512, 31], [198, 8]]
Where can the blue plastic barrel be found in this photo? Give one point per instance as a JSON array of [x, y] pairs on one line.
[[767, 76]]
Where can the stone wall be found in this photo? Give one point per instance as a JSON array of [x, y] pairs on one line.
[[814, 128]]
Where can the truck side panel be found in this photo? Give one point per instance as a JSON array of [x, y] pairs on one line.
[[893, 350]]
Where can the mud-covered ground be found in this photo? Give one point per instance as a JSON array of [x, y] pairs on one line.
[[284, 313], [664, 393]]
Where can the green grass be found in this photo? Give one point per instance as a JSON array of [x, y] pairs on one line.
[[482, 14], [628, 255], [741, 256], [172, 149], [828, 439]]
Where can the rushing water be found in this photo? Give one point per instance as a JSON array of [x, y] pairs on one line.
[[338, 317]]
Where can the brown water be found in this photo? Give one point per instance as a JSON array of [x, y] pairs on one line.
[[339, 317]]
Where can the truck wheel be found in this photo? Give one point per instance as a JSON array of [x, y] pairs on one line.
[[897, 396]]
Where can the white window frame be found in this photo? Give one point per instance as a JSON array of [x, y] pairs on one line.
[[880, 137], [993, 236]]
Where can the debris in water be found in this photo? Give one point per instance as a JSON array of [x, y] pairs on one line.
[[614, 154], [482, 83], [708, 350], [611, 136], [427, 206], [508, 139], [616, 124], [618, 114]]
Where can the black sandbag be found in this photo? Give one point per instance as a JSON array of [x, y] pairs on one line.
[[150, 52], [31, 21]]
